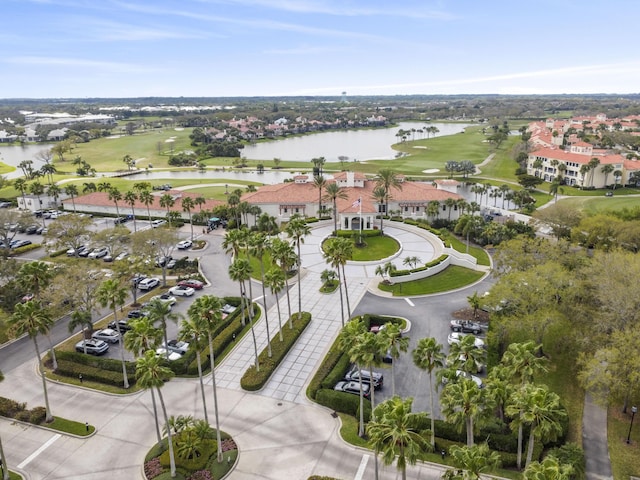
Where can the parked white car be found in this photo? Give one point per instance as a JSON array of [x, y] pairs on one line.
[[173, 356], [147, 284], [165, 298], [184, 244], [106, 335], [456, 337], [99, 252], [181, 291]]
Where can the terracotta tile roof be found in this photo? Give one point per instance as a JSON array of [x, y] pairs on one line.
[[305, 193], [356, 176], [563, 155], [101, 199]]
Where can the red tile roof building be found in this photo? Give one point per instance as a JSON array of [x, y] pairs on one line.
[[302, 197]]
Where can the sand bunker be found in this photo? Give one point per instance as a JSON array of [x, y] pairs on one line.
[[431, 170]]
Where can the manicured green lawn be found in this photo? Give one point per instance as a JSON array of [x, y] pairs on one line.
[[625, 458], [4, 168], [479, 253], [592, 205], [71, 426], [451, 278], [376, 248]]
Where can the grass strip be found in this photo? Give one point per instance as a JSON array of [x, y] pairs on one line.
[[453, 277]]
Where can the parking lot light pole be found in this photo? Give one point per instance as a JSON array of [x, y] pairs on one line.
[[634, 409]]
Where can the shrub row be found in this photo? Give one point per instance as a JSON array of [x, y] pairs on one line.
[[432, 263], [333, 361], [26, 248], [343, 402], [58, 253], [253, 379], [365, 233], [95, 374], [12, 409]]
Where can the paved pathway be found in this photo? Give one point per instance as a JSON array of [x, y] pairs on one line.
[[594, 440]]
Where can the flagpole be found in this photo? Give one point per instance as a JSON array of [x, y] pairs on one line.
[[360, 213]]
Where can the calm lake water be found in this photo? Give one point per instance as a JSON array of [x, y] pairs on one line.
[[354, 144], [14, 154]]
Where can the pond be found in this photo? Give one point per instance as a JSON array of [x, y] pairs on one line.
[[268, 177], [374, 144], [14, 154]]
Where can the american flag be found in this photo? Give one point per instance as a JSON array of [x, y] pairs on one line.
[[356, 203]]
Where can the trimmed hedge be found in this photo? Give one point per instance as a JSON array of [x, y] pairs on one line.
[[432, 263], [365, 233], [94, 369], [343, 402], [253, 380], [18, 411], [26, 248]]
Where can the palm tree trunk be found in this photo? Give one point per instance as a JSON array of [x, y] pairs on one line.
[[341, 299], [393, 379], [530, 446], [279, 317], [346, 292], [133, 214], [299, 282], [172, 458], [253, 333], [335, 218], [3, 460], [212, 363], [74, 204], [264, 302], [155, 416], [48, 417], [286, 281], [469, 431], [124, 365], [191, 224], [433, 422], [204, 400], [54, 360], [519, 458], [361, 423]]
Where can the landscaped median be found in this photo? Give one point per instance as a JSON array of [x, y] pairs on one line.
[[253, 379]]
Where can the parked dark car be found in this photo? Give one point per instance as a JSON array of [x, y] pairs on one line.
[[93, 347], [31, 229], [193, 283], [123, 324], [466, 326], [367, 376], [353, 388]]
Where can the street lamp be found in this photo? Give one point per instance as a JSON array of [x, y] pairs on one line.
[[633, 414]]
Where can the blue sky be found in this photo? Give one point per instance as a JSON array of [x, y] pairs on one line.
[[131, 48]]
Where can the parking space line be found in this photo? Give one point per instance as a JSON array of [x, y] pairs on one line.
[[361, 468], [42, 448], [410, 302]]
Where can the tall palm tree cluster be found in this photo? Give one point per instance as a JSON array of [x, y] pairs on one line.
[[393, 430]]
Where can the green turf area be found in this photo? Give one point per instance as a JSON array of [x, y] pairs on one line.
[[625, 458], [4, 168], [375, 248], [451, 278], [502, 165], [592, 205], [105, 154], [461, 146], [71, 426]]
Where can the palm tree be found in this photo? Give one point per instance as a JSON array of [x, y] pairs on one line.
[[104, 186], [81, 318], [159, 311], [617, 175], [274, 279], [428, 356], [284, 255], [72, 191], [48, 169], [297, 229], [392, 431], [3, 459], [130, 199], [112, 294], [21, 185], [258, 244], [147, 198], [379, 194], [332, 193], [607, 169], [151, 374], [89, 187], [37, 189], [349, 342], [549, 469], [115, 196], [504, 188], [167, 201], [593, 163], [187, 205], [465, 356], [388, 179], [411, 261], [523, 363], [194, 331], [206, 312], [539, 408], [199, 201], [35, 277], [462, 403], [337, 251], [54, 191], [240, 271], [474, 460], [319, 182], [32, 319], [392, 342], [142, 337]]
